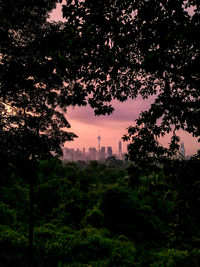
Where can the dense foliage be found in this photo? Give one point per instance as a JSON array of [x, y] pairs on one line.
[[103, 215], [95, 214], [31, 122], [150, 48]]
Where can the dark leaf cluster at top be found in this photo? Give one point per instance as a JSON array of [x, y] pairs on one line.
[[126, 48], [104, 50]]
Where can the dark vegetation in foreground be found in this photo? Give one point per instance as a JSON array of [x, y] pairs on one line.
[[102, 215], [92, 215]]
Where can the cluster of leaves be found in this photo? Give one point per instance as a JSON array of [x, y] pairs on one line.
[[123, 49], [31, 122], [104, 50], [101, 215]]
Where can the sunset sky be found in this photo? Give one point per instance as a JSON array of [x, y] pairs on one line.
[[111, 128]]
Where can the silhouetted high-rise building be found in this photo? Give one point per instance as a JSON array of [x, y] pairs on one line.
[[65, 152], [182, 150], [120, 150], [68, 154], [92, 153], [84, 155], [102, 155], [77, 155], [109, 151]]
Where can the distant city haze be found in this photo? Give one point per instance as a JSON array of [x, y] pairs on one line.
[[111, 128], [101, 154]]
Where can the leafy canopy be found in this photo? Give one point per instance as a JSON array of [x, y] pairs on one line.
[[31, 120], [104, 50], [125, 48]]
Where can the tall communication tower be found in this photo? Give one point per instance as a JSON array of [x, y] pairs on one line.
[[99, 147], [99, 139]]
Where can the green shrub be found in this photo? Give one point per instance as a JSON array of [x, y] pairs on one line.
[[93, 217], [177, 258], [96, 248], [53, 244], [88, 246], [13, 247], [8, 216]]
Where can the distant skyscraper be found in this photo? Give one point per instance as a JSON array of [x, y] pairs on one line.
[[102, 155], [120, 150], [99, 146], [68, 154], [109, 151], [83, 154], [65, 150], [92, 153], [182, 150], [77, 155]]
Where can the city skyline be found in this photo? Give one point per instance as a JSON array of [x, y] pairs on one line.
[[98, 152], [85, 142], [92, 153], [111, 128], [102, 153]]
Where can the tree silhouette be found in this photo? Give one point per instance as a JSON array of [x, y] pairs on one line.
[[123, 49], [32, 124], [104, 50]]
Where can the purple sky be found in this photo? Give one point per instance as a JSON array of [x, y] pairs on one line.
[[111, 128]]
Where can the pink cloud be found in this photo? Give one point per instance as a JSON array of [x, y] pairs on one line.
[[127, 112]]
